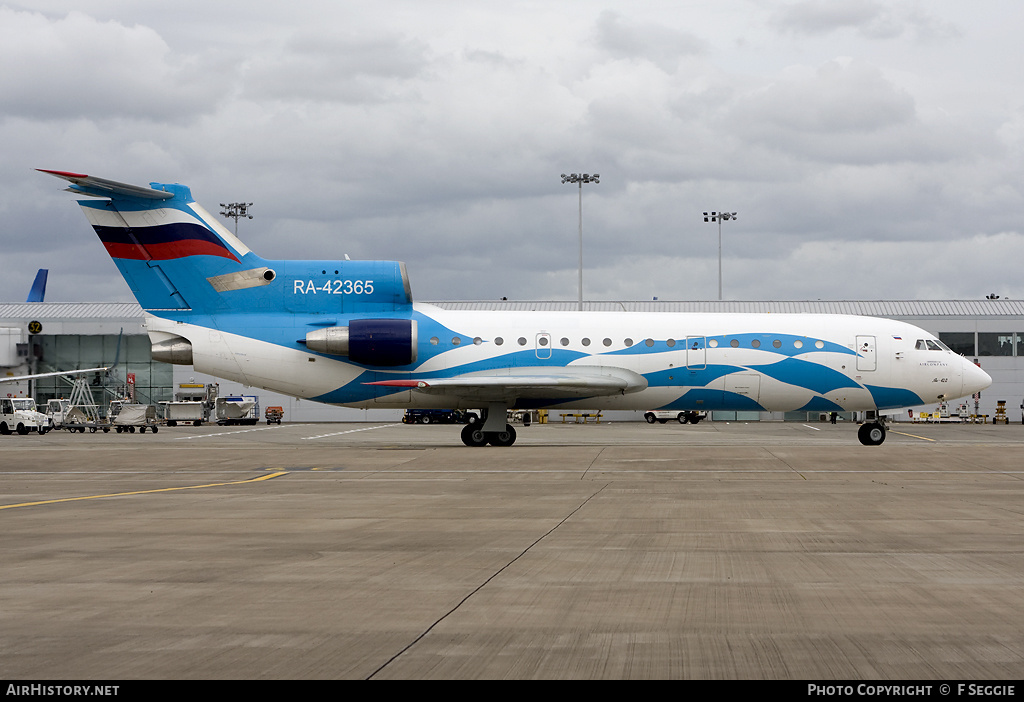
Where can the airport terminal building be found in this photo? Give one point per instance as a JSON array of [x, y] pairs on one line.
[[39, 337]]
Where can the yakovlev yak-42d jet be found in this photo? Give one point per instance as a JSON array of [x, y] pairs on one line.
[[348, 333]]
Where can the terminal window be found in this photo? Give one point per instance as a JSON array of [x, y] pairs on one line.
[[960, 342], [995, 343]]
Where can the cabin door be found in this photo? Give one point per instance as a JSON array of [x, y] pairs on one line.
[[696, 353], [543, 346], [866, 357]]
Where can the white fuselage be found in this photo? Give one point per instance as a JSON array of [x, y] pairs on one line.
[[772, 362]]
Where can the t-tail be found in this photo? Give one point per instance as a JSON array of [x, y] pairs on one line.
[[184, 265]]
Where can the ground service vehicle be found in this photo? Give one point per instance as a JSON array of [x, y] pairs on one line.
[[662, 416], [438, 416], [18, 414], [274, 414]]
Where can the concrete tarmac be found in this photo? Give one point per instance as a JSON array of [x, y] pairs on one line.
[[386, 551]]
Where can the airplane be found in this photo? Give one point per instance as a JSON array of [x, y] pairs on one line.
[[349, 333]]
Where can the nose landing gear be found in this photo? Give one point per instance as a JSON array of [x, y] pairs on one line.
[[871, 433]]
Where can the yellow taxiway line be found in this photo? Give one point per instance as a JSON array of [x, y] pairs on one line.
[[143, 492]]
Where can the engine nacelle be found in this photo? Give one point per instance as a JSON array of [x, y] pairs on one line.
[[372, 342], [177, 351]]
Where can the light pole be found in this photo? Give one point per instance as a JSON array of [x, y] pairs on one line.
[[236, 210], [718, 217], [581, 179]]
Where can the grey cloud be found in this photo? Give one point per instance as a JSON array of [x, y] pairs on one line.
[[78, 66], [870, 19], [336, 67], [657, 43]]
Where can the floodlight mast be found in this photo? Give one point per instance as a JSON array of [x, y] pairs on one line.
[[581, 178], [718, 217], [236, 211]]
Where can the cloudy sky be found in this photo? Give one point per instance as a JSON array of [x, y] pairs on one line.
[[872, 150]]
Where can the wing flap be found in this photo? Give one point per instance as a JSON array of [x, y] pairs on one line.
[[544, 382]]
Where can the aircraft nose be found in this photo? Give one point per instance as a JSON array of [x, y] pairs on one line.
[[975, 379]]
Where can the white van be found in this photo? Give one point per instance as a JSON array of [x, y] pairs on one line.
[[19, 414], [662, 416]]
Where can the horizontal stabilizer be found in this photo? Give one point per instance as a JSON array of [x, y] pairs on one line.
[[101, 187]]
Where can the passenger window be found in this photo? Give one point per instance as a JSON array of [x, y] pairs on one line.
[[649, 342], [734, 343], [586, 341], [671, 343], [755, 344], [522, 341], [563, 341], [607, 342], [434, 341], [777, 344], [628, 343], [498, 340]]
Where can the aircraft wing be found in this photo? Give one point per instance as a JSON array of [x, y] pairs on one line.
[[15, 378], [528, 383]]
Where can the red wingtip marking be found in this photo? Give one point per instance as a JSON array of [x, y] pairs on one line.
[[62, 174]]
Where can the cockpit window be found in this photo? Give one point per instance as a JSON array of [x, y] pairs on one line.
[[931, 345]]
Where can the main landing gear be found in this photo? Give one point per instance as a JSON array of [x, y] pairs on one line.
[[871, 433], [490, 430]]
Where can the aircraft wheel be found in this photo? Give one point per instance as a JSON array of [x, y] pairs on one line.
[[502, 438], [472, 436], [872, 434]]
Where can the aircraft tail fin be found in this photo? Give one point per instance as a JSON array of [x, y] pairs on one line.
[[38, 291], [171, 251]]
